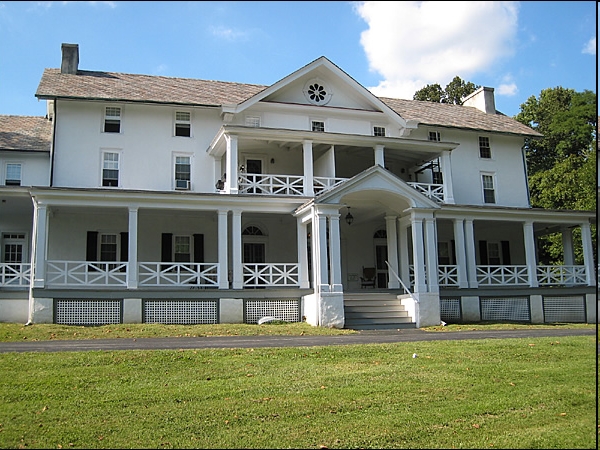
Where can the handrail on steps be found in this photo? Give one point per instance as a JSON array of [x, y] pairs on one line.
[[402, 283]]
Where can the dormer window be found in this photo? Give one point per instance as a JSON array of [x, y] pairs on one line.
[[434, 136], [183, 124], [318, 125], [378, 131], [112, 119]]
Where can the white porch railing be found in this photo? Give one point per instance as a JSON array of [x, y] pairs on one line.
[[15, 274], [433, 191], [448, 275], [271, 275], [178, 274], [84, 273], [561, 275], [271, 184], [502, 275], [321, 184]]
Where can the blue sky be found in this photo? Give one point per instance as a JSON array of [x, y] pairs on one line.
[[390, 48]]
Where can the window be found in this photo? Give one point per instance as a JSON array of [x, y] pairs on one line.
[[182, 248], [253, 121], [108, 247], [378, 131], [488, 189], [112, 120], [13, 174], [434, 136], [14, 245], [183, 124], [110, 169], [182, 172], [318, 125], [484, 147], [493, 252]]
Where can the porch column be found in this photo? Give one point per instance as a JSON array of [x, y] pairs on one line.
[[418, 254], [307, 155], [392, 248], [470, 250], [567, 243], [461, 255], [231, 181], [222, 249], [379, 158], [335, 268], [320, 252], [433, 279], [446, 168], [404, 255], [530, 257], [236, 249], [302, 255], [588, 253], [132, 251], [40, 241]]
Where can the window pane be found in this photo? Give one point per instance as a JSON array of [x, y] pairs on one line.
[[182, 168], [182, 116], [183, 129], [108, 247], [318, 126], [182, 247], [13, 174], [110, 170]]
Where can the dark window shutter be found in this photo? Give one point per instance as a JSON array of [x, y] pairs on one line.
[[199, 248], [505, 253], [124, 246], [166, 247], [91, 250], [483, 257]]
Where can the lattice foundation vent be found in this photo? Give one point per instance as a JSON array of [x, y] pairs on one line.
[[509, 309], [87, 312], [450, 310], [287, 310], [180, 312], [564, 309]]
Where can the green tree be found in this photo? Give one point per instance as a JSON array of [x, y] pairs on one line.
[[455, 91]]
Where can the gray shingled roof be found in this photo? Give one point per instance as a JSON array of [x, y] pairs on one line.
[[25, 133], [112, 86]]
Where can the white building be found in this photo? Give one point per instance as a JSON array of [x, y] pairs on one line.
[[155, 199]]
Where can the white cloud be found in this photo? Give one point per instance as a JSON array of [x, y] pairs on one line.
[[508, 90], [412, 44], [228, 33], [590, 47]]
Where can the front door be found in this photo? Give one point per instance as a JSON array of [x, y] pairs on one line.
[[381, 256]]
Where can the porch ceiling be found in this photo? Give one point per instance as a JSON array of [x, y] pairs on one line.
[[370, 205]]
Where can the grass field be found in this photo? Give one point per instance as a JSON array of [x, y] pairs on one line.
[[511, 393]]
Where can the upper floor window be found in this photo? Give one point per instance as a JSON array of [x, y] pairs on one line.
[[484, 147], [434, 136], [378, 131], [110, 169], [253, 121], [182, 172], [183, 124], [489, 195], [13, 174], [318, 125], [112, 119]]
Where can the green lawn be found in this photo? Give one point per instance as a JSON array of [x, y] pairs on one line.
[[511, 393]]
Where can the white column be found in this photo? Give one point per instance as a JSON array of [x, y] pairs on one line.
[[307, 154], [567, 243], [470, 250], [222, 249], [379, 157], [231, 183], [418, 254], [530, 257], [40, 242], [588, 254], [132, 264], [461, 255], [335, 268], [404, 254], [320, 244], [392, 249], [433, 280], [236, 250], [446, 168], [302, 255]]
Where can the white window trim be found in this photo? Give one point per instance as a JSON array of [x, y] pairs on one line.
[[122, 109], [479, 148], [175, 122], [5, 171], [103, 151], [373, 125], [494, 181], [117, 241], [317, 119], [174, 162], [4, 239], [439, 135]]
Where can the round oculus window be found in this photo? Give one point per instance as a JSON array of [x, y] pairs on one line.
[[317, 92]]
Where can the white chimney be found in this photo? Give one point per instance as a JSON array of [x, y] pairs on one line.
[[70, 58], [482, 99]]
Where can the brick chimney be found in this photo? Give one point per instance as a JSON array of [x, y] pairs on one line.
[[70, 58], [482, 99]]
